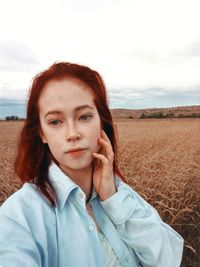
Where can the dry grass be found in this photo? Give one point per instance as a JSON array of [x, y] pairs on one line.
[[8, 137], [160, 160]]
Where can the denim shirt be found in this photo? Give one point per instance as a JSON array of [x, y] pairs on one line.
[[35, 234]]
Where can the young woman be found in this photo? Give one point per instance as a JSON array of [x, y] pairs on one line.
[[74, 208]]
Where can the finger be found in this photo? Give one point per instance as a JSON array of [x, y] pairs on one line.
[[96, 163], [101, 157], [108, 149], [104, 136]]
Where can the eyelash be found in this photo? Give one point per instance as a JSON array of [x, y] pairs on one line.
[[85, 115]]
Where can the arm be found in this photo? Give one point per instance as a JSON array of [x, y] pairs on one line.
[[138, 223], [17, 247], [155, 243]]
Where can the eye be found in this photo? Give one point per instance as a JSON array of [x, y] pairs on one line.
[[54, 122], [85, 117]]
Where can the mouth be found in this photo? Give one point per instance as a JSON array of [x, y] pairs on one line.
[[75, 149], [76, 152]]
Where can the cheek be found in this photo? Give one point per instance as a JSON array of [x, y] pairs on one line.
[[95, 144], [54, 147]]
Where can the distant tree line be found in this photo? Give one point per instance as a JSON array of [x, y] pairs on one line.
[[193, 115], [13, 118], [160, 115], [157, 115]]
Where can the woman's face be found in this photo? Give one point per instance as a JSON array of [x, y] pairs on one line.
[[69, 120]]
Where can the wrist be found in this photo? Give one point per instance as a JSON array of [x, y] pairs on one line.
[[108, 194]]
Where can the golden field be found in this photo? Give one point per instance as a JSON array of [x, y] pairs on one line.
[[160, 160]]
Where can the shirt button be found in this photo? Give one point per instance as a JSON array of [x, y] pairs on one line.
[[91, 228]]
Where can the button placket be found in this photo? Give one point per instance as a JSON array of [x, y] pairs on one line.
[[102, 236], [91, 226]]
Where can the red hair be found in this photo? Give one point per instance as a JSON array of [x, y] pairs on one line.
[[33, 157]]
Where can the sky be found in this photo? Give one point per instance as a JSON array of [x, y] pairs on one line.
[[147, 51]]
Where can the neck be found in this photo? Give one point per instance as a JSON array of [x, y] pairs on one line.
[[83, 178]]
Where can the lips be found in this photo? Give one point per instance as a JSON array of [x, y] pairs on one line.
[[76, 149], [76, 152]]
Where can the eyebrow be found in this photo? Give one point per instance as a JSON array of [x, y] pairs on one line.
[[75, 109]]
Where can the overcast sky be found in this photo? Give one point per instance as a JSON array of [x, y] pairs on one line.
[[148, 51]]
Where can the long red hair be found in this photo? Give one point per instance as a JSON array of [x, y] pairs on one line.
[[33, 157]]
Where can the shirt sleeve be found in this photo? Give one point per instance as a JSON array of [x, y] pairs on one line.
[[17, 247], [155, 243]]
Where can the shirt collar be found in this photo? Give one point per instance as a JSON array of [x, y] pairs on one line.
[[63, 184]]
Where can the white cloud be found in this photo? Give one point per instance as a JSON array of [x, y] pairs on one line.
[[16, 57], [133, 43]]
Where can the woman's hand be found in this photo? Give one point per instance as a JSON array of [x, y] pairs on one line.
[[103, 176]]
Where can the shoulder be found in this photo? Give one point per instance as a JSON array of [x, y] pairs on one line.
[[28, 194], [27, 223], [25, 203]]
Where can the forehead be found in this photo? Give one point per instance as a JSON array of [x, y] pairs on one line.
[[65, 94]]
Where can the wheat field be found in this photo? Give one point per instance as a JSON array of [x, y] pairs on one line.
[[160, 159]]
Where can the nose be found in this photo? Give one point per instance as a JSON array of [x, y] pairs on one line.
[[72, 133]]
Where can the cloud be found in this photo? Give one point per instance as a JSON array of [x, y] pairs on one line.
[[154, 97], [194, 49], [10, 107], [15, 56], [17, 65], [128, 98], [10, 102], [135, 45], [12, 88]]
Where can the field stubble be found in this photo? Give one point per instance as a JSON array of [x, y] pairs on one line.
[[160, 159]]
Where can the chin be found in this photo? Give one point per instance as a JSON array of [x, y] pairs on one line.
[[78, 165]]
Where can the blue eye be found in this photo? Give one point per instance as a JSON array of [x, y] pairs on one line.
[[54, 123], [85, 117]]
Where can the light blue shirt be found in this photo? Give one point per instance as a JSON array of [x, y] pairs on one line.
[[35, 234], [110, 257]]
